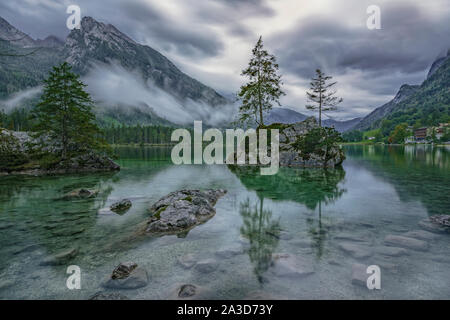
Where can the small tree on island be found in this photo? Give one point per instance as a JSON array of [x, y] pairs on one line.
[[263, 88], [322, 95], [64, 116]]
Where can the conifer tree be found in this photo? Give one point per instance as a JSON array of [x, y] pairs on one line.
[[263, 88], [64, 115], [322, 94]]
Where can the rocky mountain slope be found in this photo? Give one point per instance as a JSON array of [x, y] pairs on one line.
[[98, 43], [286, 116], [416, 102]]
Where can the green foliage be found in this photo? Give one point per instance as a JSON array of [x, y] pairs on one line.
[[64, 116], [352, 136], [399, 133], [263, 88], [138, 134], [17, 120], [320, 141], [10, 155], [322, 94]]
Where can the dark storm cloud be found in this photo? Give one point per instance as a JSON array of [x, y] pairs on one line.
[[155, 26], [407, 43]]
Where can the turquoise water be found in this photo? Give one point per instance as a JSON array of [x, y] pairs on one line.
[[308, 213]]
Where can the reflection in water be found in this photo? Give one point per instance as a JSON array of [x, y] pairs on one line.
[[311, 187], [307, 186], [416, 172], [263, 234]]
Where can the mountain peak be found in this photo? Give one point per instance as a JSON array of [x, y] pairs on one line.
[[100, 30], [437, 63], [14, 35]]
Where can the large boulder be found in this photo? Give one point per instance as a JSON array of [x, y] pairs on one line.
[[181, 210], [293, 156]]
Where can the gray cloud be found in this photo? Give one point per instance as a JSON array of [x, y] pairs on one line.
[[211, 40]]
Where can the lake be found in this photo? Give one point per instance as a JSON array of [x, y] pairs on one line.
[[331, 219]]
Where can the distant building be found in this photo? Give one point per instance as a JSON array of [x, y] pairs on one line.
[[420, 134], [371, 138], [410, 139]]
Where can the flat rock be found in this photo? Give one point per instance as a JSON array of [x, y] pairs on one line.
[[60, 258], [206, 266], [187, 261], [303, 243], [108, 296], [432, 227], [355, 250], [287, 265], [359, 274], [81, 193], [180, 211], [406, 242], [421, 235], [228, 253], [391, 251]]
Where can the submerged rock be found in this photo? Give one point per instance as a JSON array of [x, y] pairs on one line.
[[127, 276], [181, 210], [359, 275], [421, 235], [405, 242], [287, 265], [187, 261], [81, 193], [206, 266], [108, 296], [187, 290], [60, 258], [229, 252], [391, 251], [356, 251], [432, 227], [121, 206], [441, 219]]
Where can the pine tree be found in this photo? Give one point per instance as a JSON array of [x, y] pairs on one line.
[[64, 115], [263, 88], [322, 95]]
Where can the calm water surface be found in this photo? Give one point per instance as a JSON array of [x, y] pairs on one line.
[[380, 191]]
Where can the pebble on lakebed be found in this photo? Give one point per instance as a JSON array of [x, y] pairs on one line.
[[127, 275]]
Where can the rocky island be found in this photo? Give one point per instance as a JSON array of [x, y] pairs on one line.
[[306, 144], [20, 153]]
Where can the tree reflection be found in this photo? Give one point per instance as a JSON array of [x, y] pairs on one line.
[[307, 186], [263, 234], [310, 187]]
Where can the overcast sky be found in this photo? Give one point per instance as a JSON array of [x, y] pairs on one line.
[[211, 40]]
